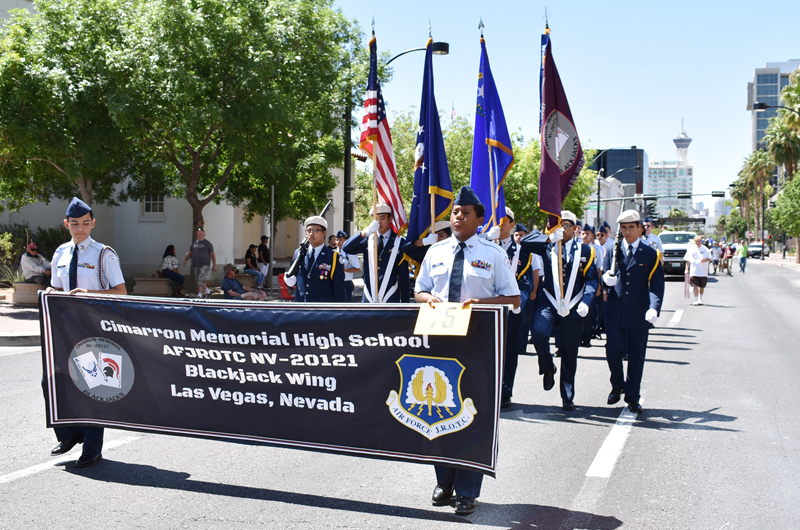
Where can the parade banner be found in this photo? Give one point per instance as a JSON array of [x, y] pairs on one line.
[[340, 378]]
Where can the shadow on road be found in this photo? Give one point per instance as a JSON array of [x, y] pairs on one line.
[[19, 313], [501, 515], [649, 419], [647, 360]]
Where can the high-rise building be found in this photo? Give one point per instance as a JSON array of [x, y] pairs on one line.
[[766, 88], [720, 208], [624, 160], [671, 177]]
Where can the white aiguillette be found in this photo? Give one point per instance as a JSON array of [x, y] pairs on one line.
[[446, 318]]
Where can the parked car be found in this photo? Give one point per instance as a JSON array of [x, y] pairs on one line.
[[755, 250], [675, 246]]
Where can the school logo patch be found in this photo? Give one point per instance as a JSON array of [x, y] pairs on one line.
[[101, 369], [429, 400]]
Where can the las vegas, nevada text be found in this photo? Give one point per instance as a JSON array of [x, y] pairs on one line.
[[205, 364]]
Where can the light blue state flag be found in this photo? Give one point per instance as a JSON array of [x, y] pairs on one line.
[[492, 156]]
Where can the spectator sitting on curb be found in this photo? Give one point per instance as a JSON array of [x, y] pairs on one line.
[[35, 268], [234, 290]]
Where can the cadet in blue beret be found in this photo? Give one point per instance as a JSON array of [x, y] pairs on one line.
[[491, 281], [84, 266]]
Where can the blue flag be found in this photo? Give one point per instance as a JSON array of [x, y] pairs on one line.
[[431, 174], [492, 156]]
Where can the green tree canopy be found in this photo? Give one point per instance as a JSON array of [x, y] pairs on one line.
[[787, 210]]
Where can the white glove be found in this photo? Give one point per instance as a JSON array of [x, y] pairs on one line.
[[372, 227], [493, 233], [610, 280], [651, 316], [291, 281], [583, 310], [557, 235], [430, 239]]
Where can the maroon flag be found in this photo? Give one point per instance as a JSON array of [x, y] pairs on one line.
[[562, 156]]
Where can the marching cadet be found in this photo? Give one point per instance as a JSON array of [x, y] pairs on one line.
[[520, 262], [471, 270], [580, 285], [651, 239], [321, 275], [349, 262], [529, 305], [589, 328], [392, 282], [634, 302], [416, 250], [84, 266]]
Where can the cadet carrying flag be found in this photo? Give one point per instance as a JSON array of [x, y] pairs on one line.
[[492, 156], [562, 156], [376, 139], [433, 192]]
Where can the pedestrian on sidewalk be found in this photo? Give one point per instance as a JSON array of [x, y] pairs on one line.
[[742, 252], [716, 254], [203, 260], [169, 269], [35, 267], [697, 260], [83, 266]]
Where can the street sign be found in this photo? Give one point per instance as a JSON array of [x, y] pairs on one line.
[[750, 234], [593, 206]]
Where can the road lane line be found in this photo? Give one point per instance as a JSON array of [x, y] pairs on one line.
[[22, 473], [585, 502], [676, 318], [609, 452]]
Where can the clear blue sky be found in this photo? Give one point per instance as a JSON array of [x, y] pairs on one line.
[[631, 70]]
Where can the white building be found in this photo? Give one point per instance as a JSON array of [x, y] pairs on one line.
[[610, 188], [670, 177]]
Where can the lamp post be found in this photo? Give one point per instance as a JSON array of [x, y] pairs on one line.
[[437, 48]]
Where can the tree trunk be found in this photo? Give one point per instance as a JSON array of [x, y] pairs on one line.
[[86, 189]]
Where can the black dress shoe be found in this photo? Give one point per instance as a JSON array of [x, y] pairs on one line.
[[465, 505], [441, 495], [505, 402], [614, 396], [86, 461], [567, 405], [634, 407], [549, 378], [65, 446]]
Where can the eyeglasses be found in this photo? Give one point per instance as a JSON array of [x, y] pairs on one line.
[[313, 230], [567, 226]]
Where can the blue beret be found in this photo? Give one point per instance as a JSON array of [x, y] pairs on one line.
[[602, 230], [467, 197], [521, 228], [341, 233], [605, 223], [648, 220], [77, 208], [588, 228]]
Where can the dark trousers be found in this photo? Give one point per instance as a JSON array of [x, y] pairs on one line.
[[90, 437], [467, 483], [348, 289], [41, 279], [634, 343], [512, 353], [526, 326], [174, 276], [569, 332]]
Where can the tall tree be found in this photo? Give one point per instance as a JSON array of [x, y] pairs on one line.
[[783, 143], [787, 210], [236, 97], [57, 137]]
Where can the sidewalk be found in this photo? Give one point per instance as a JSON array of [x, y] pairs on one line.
[[19, 325], [777, 259]]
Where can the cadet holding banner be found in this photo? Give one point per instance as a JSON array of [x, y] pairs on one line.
[[468, 269]]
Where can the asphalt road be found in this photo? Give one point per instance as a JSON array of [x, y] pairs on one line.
[[716, 448]]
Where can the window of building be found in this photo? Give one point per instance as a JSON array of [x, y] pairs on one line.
[[767, 79], [767, 90], [152, 207]]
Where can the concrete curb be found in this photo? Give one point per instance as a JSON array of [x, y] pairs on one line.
[[20, 339]]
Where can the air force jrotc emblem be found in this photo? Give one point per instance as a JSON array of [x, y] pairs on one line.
[[429, 399]]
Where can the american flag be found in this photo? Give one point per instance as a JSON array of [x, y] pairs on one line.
[[376, 139]]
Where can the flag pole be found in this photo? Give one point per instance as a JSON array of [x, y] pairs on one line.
[[491, 186], [374, 213]]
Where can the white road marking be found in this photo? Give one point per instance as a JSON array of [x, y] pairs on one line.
[[22, 473], [585, 502], [609, 452], [676, 318]]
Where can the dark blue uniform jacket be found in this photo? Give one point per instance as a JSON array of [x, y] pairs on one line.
[[639, 287], [324, 281], [398, 271]]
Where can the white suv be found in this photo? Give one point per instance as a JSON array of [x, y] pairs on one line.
[[675, 246]]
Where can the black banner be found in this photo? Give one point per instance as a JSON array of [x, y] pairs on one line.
[[350, 379]]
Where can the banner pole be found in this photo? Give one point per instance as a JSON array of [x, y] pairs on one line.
[[491, 186], [561, 272], [375, 234]]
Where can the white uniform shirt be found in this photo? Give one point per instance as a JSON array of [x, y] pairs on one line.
[[695, 256], [486, 273], [655, 242], [348, 261], [88, 266]]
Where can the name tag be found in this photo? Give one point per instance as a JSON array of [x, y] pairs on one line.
[[446, 318]]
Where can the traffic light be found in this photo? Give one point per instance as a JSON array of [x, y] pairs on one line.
[[684, 195], [718, 194]]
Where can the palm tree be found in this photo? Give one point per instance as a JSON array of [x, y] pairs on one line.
[[759, 167], [742, 192], [790, 97], [783, 144]]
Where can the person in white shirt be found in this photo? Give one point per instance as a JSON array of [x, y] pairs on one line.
[[697, 260], [716, 254], [35, 267]]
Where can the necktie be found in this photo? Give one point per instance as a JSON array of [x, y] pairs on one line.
[[380, 244], [454, 292], [630, 255], [309, 260], [73, 270]]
